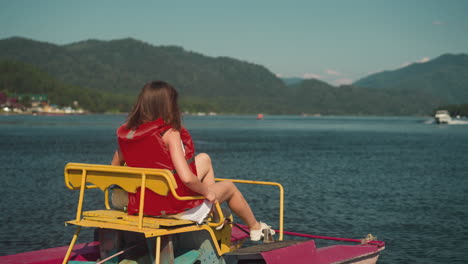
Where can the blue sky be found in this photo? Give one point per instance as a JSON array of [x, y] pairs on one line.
[[335, 41]]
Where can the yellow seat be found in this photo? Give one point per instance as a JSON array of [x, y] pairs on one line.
[[81, 177]]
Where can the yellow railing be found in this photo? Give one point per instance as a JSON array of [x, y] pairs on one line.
[[281, 198], [90, 176], [79, 176]]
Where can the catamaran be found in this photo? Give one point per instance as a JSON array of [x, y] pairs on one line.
[[130, 239]]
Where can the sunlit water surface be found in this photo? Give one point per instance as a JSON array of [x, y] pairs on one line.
[[404, 180]]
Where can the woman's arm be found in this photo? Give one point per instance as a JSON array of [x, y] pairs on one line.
[[118, 160], [172, 139]]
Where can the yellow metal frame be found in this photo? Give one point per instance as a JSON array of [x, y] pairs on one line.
[[80, 176], [91, 176], [281, 198]]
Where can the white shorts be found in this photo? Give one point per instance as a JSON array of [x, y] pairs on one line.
[[196, 214]]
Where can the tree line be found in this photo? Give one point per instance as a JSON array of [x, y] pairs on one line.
[[456, 109], [20, 78]]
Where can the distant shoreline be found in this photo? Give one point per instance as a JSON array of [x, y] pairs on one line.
[[58, 114]]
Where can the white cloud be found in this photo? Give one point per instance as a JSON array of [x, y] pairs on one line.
[[311, 76], [422, 60], [437, 22], [425, 59], [406, 64], [343, 81], [279, 75], [332, 72]]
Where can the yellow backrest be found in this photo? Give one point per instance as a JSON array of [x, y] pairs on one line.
[[128, 178], [81, 176]]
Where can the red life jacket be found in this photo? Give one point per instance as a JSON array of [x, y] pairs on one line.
[[145, 148]]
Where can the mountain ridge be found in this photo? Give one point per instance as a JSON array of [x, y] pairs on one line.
[[218, 84], [122, 58], [445, 76]]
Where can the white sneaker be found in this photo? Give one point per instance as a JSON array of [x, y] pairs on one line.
[[256, 235]]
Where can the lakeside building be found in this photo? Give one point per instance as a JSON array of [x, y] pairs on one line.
[[34, 104]]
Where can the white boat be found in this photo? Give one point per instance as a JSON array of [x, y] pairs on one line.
[[442, 117]]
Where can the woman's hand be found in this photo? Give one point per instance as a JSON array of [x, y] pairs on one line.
[[118, 160], [211, 196]]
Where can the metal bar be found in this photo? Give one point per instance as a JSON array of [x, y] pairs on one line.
[[72, 244], [157, 253], [115, 255], [80, 200], [374, 242], [106, 199], [142, 200], [220, 214], [281, 193]]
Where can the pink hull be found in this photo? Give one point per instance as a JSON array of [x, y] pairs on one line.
[[307, 253], [297, 253], [83, 252], [300, 253]]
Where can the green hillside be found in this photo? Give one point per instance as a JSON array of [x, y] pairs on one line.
[[20, 78], [114, 71], [445, 77], [125, 65], [313, 96]]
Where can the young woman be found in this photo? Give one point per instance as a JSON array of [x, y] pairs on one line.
[[153, 137]]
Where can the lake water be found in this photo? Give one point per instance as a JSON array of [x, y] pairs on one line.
[[401, 179]]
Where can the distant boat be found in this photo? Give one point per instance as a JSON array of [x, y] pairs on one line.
[[442, 117], [260, 116]]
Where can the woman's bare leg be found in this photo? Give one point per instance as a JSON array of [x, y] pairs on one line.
[[227, 191], [205, 170]]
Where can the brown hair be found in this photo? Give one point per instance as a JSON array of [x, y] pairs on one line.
[[157, 99]]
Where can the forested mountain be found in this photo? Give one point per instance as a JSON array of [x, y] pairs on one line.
[[123, 66], [314, 96], [445, 77], [20, 78], [292, 80], [116, 70]]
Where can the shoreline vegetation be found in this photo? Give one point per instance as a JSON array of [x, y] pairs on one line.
[[460, 110], [202, 114]]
